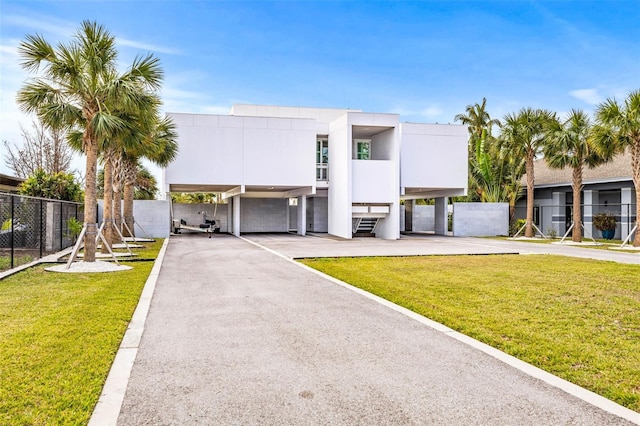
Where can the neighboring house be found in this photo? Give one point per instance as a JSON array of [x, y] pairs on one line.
[[607, 188], [339, 171], [9, 183]]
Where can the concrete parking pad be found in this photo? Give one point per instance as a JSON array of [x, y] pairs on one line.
[[238, 335], [323, 245]]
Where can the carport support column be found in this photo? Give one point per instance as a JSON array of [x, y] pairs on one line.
[[409, 207], [442, 216], [302, 215], [236, 215]]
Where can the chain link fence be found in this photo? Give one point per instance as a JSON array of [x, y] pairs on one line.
[[31, 228]]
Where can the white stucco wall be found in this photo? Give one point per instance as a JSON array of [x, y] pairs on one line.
[[340, 178], [235, 150], [433, 155], [372, 181], [152, 217]]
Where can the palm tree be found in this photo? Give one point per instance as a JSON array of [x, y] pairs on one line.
[[479, 123], [523, 137], [130, 137], [79, 89], [146, 187], [618, 130], [569, 144], [160, 147], [477, 119]]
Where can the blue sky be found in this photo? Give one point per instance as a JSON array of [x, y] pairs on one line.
[[425, 60]]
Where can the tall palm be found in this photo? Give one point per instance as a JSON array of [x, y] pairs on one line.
[[79, 87], [477, 119], [160, 147], [569, 144], [618, 130], [523, 136], [478, 122], [137, 124]]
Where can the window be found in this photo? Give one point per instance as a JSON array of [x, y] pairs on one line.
[[322, 158], [362, 149]]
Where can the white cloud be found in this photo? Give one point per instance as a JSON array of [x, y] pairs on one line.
[[146, 46], [42, 24], [432, 111], [589, 96]]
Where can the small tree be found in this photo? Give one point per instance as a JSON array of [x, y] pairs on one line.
[[57, 186], [43, 148]]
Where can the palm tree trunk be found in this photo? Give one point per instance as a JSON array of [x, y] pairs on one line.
[[117, 191], [90, 208], [129, 187], [577, 200], [635, 166], [108, 200], [528, 232]]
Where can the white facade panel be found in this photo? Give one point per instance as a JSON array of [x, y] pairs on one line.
[[436, 158], [207, 154], [373, 181], [255, 122], [340, 178], [379, 209], [205, 120], [280, 123], [231, 121], [279, 157], [182, 119]]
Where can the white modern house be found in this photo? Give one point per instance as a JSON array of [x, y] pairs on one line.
[[339, 171]]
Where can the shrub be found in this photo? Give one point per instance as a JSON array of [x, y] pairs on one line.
[[604, 221]]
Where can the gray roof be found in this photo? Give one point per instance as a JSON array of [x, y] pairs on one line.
[[9, 183], [619, 169]]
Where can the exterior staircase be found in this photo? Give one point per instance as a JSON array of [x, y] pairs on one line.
[[364, 226]]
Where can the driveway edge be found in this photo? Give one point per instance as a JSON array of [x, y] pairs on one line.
[[108, 407]]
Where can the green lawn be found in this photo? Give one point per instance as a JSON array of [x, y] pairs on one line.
[[59, 334], [5, 261], [578, 319]]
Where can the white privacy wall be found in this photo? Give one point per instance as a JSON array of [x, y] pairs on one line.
[[235, 150], [152, 217], [480, 219]]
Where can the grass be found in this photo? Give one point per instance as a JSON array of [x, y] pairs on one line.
[[575, 318], [59, 334], [604, 244], [5, 261]]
